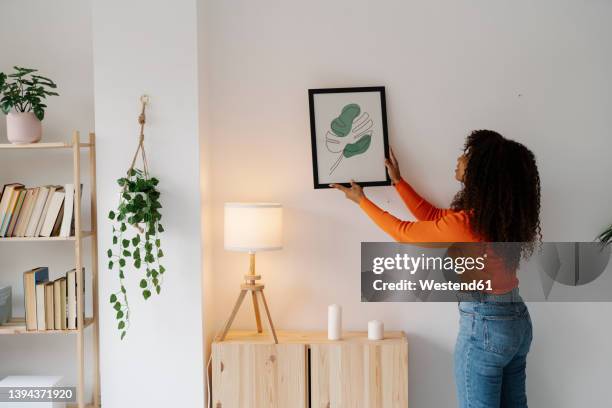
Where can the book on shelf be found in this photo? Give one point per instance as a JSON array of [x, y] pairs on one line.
[[16, 210], [51, 305], [5, 198], [45, 211], [10, 193], [41, 321], [43, 214], [53, 211], [49, 313], [67, 219], [32, 278], [59, 303], [73, 289], [41, 199], [26, 212]]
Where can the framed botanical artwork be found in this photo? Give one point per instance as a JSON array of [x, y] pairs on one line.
[[348, 128]]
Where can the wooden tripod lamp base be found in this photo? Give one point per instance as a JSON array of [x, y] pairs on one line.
[[250, 285]]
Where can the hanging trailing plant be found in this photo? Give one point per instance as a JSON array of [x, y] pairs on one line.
[[136, 229]]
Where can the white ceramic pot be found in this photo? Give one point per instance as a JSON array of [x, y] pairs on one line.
[[23, 128]]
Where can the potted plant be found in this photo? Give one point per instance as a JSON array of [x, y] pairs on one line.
[[138, 207], [23, 95]]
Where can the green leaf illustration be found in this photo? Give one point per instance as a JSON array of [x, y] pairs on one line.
[[341, 126], [359, 147]]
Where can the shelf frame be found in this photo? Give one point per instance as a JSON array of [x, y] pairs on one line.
[[18, 326], [15, 326], [84, 234], [49, 145]]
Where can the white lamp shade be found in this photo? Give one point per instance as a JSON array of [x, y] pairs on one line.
[[252, 227]]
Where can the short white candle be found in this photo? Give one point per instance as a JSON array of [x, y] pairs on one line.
[[375, 330], [334, 322]]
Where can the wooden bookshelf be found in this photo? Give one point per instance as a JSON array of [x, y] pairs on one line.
[[17, 326]]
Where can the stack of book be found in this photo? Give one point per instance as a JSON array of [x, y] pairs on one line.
[[46, 211], [50, 305]]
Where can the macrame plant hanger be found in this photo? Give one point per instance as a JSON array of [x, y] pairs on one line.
[[140, 150]]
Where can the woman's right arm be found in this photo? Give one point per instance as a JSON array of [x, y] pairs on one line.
[[422, 209]]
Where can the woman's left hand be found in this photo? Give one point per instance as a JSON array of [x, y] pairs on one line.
[[353, 193]]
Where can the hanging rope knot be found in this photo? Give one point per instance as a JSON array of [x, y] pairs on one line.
[[140, 150]]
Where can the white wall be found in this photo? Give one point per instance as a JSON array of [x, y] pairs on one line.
[[54, 37], [151, 47], [538, 72]]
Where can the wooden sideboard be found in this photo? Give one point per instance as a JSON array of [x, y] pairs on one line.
[[307, 370]]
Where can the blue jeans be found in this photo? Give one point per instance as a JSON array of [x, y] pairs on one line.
[[491, 353]]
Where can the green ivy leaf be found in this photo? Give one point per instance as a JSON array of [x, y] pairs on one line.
[[121, 325], [162, 269], [119, 314], [110, 264], [160, 253], [160, 228], [146, 294], [123, 227], [111, 215], [123, 289], [121, 276], [126, 253], [136, 240], [122, 335], [109, 253], [113, 298], [143, 283], [117, 306], [137, 263], [122, 262], [125, 243], [115, 240], [158, 289]]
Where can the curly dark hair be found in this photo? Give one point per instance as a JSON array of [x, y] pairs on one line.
[[501, 191]]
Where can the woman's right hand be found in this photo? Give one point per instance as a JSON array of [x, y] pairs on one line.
[[393, 167]]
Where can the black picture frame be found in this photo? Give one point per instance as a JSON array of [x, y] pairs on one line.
[[313, 131]]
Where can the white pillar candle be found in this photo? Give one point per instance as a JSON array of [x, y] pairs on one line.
[[375, 330], [334, 322]]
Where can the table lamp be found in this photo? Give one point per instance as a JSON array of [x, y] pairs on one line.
[[252, 227]]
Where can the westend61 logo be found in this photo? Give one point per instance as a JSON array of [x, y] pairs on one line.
[[438, 272]]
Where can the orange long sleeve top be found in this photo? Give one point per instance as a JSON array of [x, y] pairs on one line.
[[436, 225]]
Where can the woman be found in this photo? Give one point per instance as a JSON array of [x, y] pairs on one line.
[[499, 202]]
